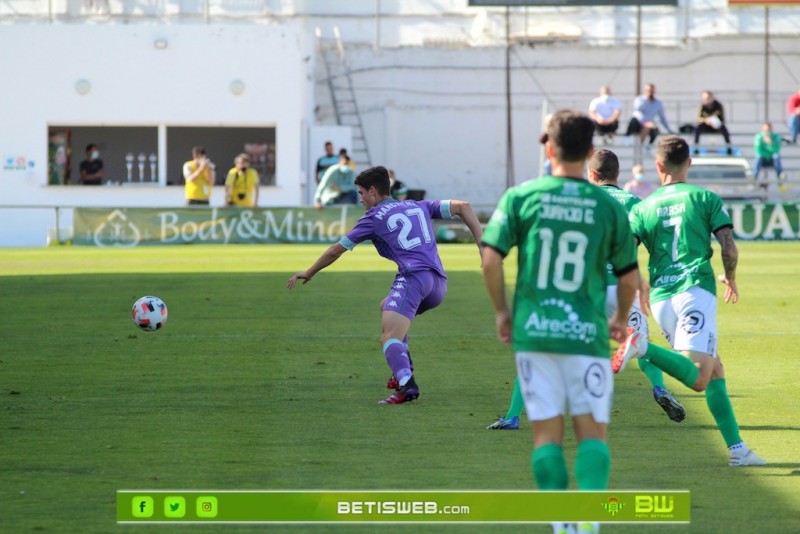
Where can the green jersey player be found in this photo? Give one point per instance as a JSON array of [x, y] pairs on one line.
[[603, 171], [567, 232], [675, 225]]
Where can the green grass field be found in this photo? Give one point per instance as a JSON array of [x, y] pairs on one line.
[[251, 386]]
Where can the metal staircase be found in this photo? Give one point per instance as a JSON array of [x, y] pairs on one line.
[[343, 96]]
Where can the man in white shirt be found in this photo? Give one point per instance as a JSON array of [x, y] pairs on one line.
[[605, 111]]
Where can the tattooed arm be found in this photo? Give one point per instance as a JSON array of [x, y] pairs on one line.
[[730, 257]]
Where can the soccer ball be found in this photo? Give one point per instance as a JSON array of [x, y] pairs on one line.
[[149, 313]]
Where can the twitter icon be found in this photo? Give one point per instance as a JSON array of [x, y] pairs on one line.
[[174, 507]]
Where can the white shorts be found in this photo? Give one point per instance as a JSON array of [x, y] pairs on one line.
[[636, 319], [551, 384], [689, 320]]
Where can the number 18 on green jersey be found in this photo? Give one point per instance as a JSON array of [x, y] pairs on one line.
[[567, 231]]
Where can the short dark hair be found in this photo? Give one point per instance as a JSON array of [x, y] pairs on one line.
[[673, 152], [198, 151], [375, 176], [570, 133], [606, 164], [90, 146]]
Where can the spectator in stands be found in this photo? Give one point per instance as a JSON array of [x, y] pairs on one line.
[[793, 109], [547, 167], [711, 119], [605, 111], [350, 162], [91, 169], [640, 186], [337, 186], [646, 108], [199, 174], [397, 189], [326, 161], [241, 185], [767, 146]]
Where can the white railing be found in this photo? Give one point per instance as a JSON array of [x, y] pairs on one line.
[[442, 22]]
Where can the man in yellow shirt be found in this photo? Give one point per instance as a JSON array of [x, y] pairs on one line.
[[241, 185], [199, 174]]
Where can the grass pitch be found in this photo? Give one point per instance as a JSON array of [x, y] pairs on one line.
[[252, 386]]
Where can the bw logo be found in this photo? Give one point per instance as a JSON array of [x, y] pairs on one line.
[[660, 504]]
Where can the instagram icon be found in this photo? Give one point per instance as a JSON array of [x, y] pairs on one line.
[[206, 507]]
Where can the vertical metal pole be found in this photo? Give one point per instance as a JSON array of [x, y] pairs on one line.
[[687, 11], [509, 131], [58, 229], [378, 24], [637, 90], [162, 155], [766, 63]]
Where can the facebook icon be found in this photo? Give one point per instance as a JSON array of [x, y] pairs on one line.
[[142, 506]]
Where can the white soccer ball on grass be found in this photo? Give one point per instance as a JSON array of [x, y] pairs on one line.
[[149, 313]]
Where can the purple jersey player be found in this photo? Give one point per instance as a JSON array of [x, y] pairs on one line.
[[402, 231]]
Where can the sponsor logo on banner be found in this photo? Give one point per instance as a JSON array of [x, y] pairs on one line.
[[130, 227], [770, 221]]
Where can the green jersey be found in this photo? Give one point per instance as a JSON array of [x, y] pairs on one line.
[[567, 231], [675, 225], [628, 201]]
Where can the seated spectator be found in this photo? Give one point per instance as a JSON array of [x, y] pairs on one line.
[[397, 189], [711, 119], [350, 162], [767, 146], [605, 111], [547, 167], [793, 111], [646, 108], [639, 186], [337, 186]]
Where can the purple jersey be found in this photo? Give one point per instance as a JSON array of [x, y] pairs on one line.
[[402, 231]]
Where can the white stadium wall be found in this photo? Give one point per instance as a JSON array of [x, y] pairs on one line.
[[131, 82]]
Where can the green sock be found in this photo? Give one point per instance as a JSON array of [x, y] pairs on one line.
[[653, 373], [674, 364], [592, 465], [719, 403], [549, 467], [515, 409]]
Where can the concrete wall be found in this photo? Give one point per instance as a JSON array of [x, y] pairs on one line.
[[437, 115]]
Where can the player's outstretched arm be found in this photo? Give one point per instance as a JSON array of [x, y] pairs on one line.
[[464, 210], [333, 253], [494, 278], [730, 258]]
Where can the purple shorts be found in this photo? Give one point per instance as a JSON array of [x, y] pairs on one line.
[[415, 293]]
